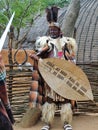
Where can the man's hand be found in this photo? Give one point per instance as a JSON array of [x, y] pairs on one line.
[[33, 56]]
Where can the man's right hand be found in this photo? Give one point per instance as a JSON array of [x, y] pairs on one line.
[[33, 56]]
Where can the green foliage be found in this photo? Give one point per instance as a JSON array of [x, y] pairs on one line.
[[25, 11]]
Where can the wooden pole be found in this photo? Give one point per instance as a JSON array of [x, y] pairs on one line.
[[11, 35]]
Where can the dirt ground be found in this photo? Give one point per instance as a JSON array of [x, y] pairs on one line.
[[82, 121]]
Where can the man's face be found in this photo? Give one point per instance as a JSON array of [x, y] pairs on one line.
[[54, 32]]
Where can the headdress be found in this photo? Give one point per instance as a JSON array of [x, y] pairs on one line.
[[52, 16]]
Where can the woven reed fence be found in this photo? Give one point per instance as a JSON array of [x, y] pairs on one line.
[[92, 74], [18, 83]]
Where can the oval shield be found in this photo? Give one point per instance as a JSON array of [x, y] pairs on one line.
[[66, 79]]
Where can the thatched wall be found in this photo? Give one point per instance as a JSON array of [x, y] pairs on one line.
[[87, 32]]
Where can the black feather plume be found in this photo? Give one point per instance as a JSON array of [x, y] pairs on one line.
[[52, 14]]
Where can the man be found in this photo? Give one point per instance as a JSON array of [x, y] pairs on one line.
[[54, 45]]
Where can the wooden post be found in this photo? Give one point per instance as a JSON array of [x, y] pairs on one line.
[[11, 35]]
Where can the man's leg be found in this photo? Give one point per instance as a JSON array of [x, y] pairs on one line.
[[66, 116], [48, 111]]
